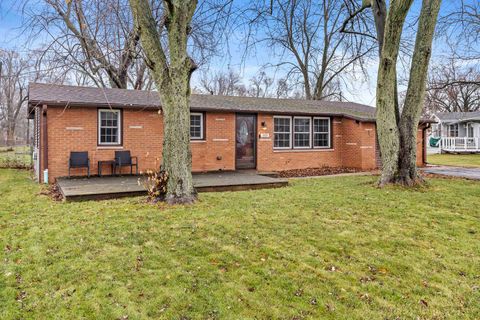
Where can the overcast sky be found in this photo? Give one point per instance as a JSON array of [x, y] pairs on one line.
[[361, 90]]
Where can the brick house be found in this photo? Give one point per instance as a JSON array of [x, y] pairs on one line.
[[227, 133]]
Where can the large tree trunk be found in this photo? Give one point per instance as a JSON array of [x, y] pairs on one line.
[[177, 156], [11, 134], [412, 109], [397, 132], [388, 133], [172, 77]]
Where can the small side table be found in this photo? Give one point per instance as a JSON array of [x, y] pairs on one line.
[[104, 162]]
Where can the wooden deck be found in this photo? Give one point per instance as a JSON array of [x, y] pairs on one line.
[[97, 188]]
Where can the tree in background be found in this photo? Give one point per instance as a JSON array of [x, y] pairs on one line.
[[222, 83], [13, 91], [453, 88], [460, 28], [307, 37], [97, 43], [260, 85], [93, 38]]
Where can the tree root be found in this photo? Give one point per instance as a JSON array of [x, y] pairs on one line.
[[404, 181], [184, 199]]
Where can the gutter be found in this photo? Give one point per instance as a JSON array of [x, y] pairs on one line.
[[44, 138]]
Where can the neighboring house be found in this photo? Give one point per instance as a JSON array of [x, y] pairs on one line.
[[227, 133], [459, 131]]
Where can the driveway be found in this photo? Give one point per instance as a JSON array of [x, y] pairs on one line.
[[468, 173]]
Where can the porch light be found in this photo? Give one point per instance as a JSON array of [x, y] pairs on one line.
[[264, 125]]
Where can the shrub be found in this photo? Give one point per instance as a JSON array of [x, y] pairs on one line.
[[14, 163], [8, 149], [155, 184]]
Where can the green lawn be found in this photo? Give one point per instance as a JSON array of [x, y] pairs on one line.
[[461, 160], [336, 248], [18, 157]]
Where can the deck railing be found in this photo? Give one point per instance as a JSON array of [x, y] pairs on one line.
[[460, 144]]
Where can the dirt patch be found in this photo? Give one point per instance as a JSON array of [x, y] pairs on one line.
[[310, 172]]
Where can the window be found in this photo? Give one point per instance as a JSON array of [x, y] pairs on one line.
[[282, 132], [321, 132], [109, 127], [196, 126], [470, 133], [453, 130], [301, 132]]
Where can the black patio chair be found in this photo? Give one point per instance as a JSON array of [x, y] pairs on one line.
[[79, 159], [124, 159]]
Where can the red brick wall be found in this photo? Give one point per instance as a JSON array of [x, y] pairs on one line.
[[217, 151], [420, 147], [353, 145], [75, 129]]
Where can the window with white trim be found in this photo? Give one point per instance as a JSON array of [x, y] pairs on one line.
[[282, 132], [301, 132], [196, 126], [109, 127], [321, 132]]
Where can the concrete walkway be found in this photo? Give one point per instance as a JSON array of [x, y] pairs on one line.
[[460, 172]]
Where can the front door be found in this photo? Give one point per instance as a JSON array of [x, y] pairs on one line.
[[245, 141]]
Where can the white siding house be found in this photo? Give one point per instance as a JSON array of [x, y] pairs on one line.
[[459, 131]]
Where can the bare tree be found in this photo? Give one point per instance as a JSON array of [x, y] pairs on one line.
[[13, 90], [283, 89], [260, 85], [397, 128], [308, 39], [452, 88], [460, 27], [97, 39], [222, 83], [94, 37]]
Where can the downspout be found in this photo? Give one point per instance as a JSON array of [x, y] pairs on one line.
[[44, 139], [424, 146]]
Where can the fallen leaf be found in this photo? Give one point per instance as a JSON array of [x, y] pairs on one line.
[[423, 303]]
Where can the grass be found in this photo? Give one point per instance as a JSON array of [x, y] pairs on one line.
[[334, 248], [460, 160], [15, 157]]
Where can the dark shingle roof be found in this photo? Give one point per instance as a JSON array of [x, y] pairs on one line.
[[93, 97], [458, 116]]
